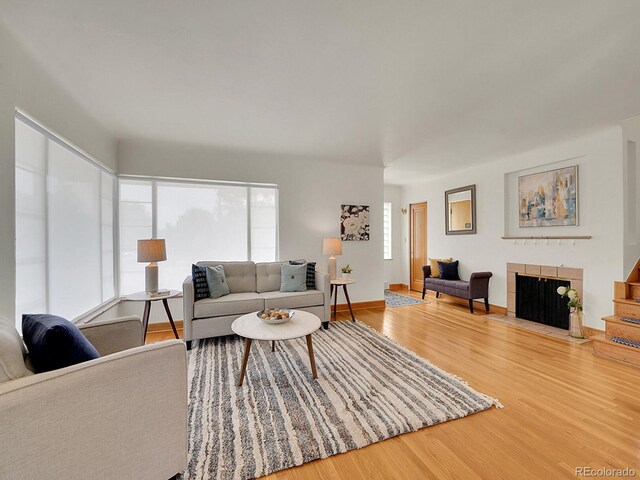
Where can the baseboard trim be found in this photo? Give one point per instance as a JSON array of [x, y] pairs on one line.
[[163, 326], [343, 307], [590, 331], [398, 286], [478, 305]]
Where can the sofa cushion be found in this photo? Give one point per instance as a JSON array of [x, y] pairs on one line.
[[293, 278], [268, 276], [310, 298], [455, 284], [241, 276], [12, 353], [232, 304], [200, 285], [435, 270], [54, 342], [311, 272], [449, 270], [217, 282]]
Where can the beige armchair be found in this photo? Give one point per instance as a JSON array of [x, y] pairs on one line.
[[123, 415]]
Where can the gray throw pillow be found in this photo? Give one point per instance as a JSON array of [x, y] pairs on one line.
[[293, 278], [217, 282]]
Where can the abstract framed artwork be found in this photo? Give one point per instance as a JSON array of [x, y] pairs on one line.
[[354, 223], [549, 199]]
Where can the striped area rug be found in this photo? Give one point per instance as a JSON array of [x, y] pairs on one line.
[[369, 389]]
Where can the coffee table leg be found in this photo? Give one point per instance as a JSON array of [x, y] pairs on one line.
[[273, 345], [346, 294], [245, 359], [335, 303], [311, 357]]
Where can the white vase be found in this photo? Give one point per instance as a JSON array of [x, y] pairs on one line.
[[576, 324], [346, 276]]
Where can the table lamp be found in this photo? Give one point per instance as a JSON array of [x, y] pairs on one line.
[[151, 250], [332, 246]]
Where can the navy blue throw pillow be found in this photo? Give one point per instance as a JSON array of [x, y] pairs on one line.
[[449, 270], [311, 273], [200, 285], [54, 342]]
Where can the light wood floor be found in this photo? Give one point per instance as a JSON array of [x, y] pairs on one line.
[[564, 407]]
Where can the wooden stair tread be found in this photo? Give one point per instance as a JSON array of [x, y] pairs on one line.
[[617, 319], [626, 301], [637, 284], [603, 347], [601, 337]]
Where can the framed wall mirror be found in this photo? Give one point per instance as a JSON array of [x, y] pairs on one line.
[[460, 210]]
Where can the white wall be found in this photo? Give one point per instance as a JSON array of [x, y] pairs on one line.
[[310, 195], [393, 271], [631, 133], [601, 215], [24, 84]]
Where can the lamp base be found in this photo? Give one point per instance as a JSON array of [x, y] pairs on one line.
[[151, 278], [332, 267]]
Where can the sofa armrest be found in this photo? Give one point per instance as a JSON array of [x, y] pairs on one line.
[[187, 306], [479, 284], [119, 416], [115, 335], [426, 272], [323, 283]]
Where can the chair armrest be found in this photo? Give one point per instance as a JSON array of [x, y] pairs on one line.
[[426, 271], [323, 283], [187, 306], [479, 284], [119, 416], [111, 336]]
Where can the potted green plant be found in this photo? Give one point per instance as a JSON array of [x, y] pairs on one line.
[[346, 271], [576, 317]]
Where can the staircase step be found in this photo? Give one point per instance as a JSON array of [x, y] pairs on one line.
[[624, 341], [627, 321], [624, 307], [634, 291], [607, 348], [622, 327]]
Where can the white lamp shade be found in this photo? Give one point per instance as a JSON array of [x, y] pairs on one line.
[[152, 250], [331, 246]]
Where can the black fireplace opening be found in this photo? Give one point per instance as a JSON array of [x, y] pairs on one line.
[[537, 299]]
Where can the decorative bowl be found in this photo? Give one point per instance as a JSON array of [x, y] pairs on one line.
[[276, 321]]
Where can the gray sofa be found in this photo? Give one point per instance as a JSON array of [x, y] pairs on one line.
[[252, 287], [476, 287], [123, 415]]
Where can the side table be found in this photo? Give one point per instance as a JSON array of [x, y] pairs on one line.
[[143, 297], [343, 282]]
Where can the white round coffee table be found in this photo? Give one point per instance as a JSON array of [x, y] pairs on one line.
[[251, 328]]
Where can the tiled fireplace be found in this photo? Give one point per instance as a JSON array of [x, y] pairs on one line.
[[571, 274]]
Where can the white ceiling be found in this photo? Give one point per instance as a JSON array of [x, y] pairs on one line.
[[419, 86]]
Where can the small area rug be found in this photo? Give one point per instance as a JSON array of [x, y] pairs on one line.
[[369, 389], [393, 299]]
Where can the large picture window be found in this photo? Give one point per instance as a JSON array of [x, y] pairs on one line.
[[199, 221], [64, 226]]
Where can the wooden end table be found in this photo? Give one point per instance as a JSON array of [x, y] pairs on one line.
[[334, 291], [249, 326], [143, 297]]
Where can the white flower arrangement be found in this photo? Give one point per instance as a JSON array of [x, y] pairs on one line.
[[572, 294]]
